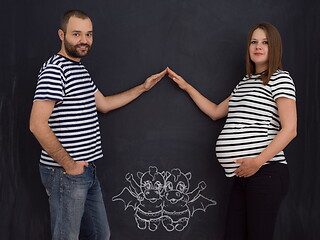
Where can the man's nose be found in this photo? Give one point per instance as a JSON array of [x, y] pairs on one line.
[[83, 39]]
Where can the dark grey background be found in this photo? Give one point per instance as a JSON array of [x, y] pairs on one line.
[[202, 40]]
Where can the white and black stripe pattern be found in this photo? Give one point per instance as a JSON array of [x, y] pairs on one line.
[[253, 119], [74, 118]]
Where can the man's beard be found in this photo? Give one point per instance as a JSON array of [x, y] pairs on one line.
[[74, 51]]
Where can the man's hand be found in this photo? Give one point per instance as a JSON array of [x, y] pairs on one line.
[[154, 79], [76, 168]]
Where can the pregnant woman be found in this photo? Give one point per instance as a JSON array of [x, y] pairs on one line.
[[261, 122]]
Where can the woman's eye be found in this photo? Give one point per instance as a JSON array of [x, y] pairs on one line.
[[253, 42], [265, 42]]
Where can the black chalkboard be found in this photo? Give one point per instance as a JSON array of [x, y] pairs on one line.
[[162, 131]]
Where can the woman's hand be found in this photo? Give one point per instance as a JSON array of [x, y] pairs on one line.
[[177, 79], [248, 166]]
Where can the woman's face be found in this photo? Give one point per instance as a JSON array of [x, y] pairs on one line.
[[258, 50]]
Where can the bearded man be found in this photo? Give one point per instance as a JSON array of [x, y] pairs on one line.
[[64, 121]]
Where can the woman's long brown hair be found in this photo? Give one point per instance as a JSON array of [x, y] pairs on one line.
[[274, 52]]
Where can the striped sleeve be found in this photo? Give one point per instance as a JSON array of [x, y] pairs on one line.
[[282, 86], [237, 86], [235, 89], [94, 87], [50, 84]]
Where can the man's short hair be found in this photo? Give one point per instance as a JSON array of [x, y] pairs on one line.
[[71, 13]]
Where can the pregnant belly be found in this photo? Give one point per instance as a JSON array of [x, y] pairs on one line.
[[236, 143]]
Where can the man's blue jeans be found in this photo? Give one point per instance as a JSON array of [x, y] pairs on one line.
[[76, 205]]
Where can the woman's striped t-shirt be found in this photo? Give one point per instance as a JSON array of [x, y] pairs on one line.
[[253, 119], [74, 118]]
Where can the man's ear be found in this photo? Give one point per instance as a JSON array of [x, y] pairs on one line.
[[61, 34]]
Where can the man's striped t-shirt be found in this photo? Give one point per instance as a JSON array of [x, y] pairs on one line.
[[74, 118], [253, 119]]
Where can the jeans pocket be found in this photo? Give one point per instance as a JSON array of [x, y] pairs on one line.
[[84, 178], [47, 177], [77, 176], [77, 186]]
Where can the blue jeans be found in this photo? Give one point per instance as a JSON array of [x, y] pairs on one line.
[[76, 205]]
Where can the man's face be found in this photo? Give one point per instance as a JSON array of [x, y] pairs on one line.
[[77, 39]]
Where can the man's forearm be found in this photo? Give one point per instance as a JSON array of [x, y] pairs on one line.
[[109, 103], [122, 99], [112, 102], [53, 147]]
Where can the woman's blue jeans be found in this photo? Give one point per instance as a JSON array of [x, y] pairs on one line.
[[76, 205]]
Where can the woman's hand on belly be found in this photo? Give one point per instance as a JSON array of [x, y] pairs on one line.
[[248, 166]]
